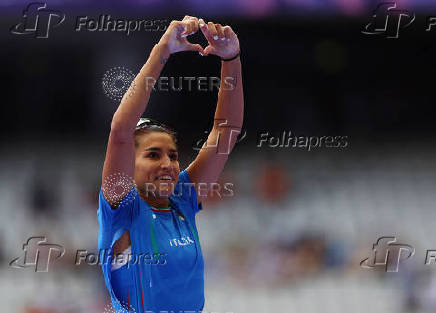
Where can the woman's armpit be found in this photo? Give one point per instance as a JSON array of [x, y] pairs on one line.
[[122, 243]]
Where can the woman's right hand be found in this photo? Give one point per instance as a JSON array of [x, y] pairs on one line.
[[175, 36]]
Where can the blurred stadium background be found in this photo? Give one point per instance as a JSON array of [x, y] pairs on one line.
[[300, 222]]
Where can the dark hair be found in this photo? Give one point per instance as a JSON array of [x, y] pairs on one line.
[[146, 125]]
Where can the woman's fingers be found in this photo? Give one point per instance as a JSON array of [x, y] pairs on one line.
[[194, 25], [215, 32], [195, 47], [205, 30], [222, 40], [220, 31], [209, 50], [187, 30], [178, 26], [212, 30], [227, 32], [191, 25]]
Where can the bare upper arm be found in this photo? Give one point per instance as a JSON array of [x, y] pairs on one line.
[[210, 161], [118, 168]]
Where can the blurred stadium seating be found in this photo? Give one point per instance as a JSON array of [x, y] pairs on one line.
[[301, 253]]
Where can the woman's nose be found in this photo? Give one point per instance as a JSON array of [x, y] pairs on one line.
[[166, 162]]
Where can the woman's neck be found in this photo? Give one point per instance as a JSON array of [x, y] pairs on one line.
[[158, 203]]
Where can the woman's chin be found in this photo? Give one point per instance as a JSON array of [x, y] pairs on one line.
[[164, 191]]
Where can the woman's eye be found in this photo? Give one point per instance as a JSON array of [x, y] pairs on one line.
[[152, 155], [174, 157]]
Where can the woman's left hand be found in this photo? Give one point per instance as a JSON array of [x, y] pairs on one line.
[[175, 36], [222, 40]]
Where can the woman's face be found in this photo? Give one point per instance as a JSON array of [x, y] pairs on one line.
[[156, 165]]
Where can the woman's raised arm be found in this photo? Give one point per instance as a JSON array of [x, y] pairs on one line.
[[210, 161], [119, 163]]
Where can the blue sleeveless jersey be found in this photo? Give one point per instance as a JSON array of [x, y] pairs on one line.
[[170, 280]]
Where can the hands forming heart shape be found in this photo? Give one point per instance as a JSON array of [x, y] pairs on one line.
[[222, 40]]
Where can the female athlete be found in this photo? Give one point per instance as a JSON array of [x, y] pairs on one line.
[[147, 206]]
